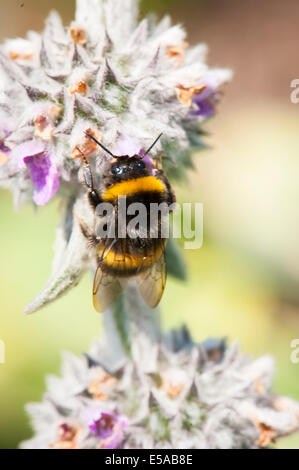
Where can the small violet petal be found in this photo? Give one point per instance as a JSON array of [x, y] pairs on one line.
[[203, 108], [116, 438], [127, 146], [203, 102], [4, 148], [42, 169], [44, 176], [27, 149], [149, 162], [107, 426]]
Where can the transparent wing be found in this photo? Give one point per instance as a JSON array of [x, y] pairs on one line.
[[151, 283], [106, 290]]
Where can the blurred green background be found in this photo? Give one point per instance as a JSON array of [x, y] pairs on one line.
[[243, 283]]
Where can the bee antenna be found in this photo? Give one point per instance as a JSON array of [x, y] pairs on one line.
[[150, 148], [99, 143], [82, 155]]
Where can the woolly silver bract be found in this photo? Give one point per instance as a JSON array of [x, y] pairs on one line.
[[109, 74], [189, 396]]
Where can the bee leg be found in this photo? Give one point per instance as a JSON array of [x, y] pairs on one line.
[[92, 194], [93, 240], [107, 247]]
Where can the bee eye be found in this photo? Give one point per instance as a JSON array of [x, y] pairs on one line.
[[117, 170], [140, 165]]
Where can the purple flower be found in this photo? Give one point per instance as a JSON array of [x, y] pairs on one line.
[[127, 146], [4, 153], [149, 162], [3, 147], [36, 155], [107, 426], [203, 104]]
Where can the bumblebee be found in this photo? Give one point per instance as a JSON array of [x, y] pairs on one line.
[[139, 254]]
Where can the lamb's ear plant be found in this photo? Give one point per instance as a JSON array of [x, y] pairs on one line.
[[124, 82]]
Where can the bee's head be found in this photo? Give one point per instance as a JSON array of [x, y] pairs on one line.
[[124, 168]]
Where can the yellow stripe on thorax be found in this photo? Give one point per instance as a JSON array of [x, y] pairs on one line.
[[137, 185]]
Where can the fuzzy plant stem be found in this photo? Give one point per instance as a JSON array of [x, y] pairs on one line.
[[130, 326]]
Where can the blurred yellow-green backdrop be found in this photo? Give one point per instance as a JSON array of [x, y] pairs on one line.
[[243, 283]]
